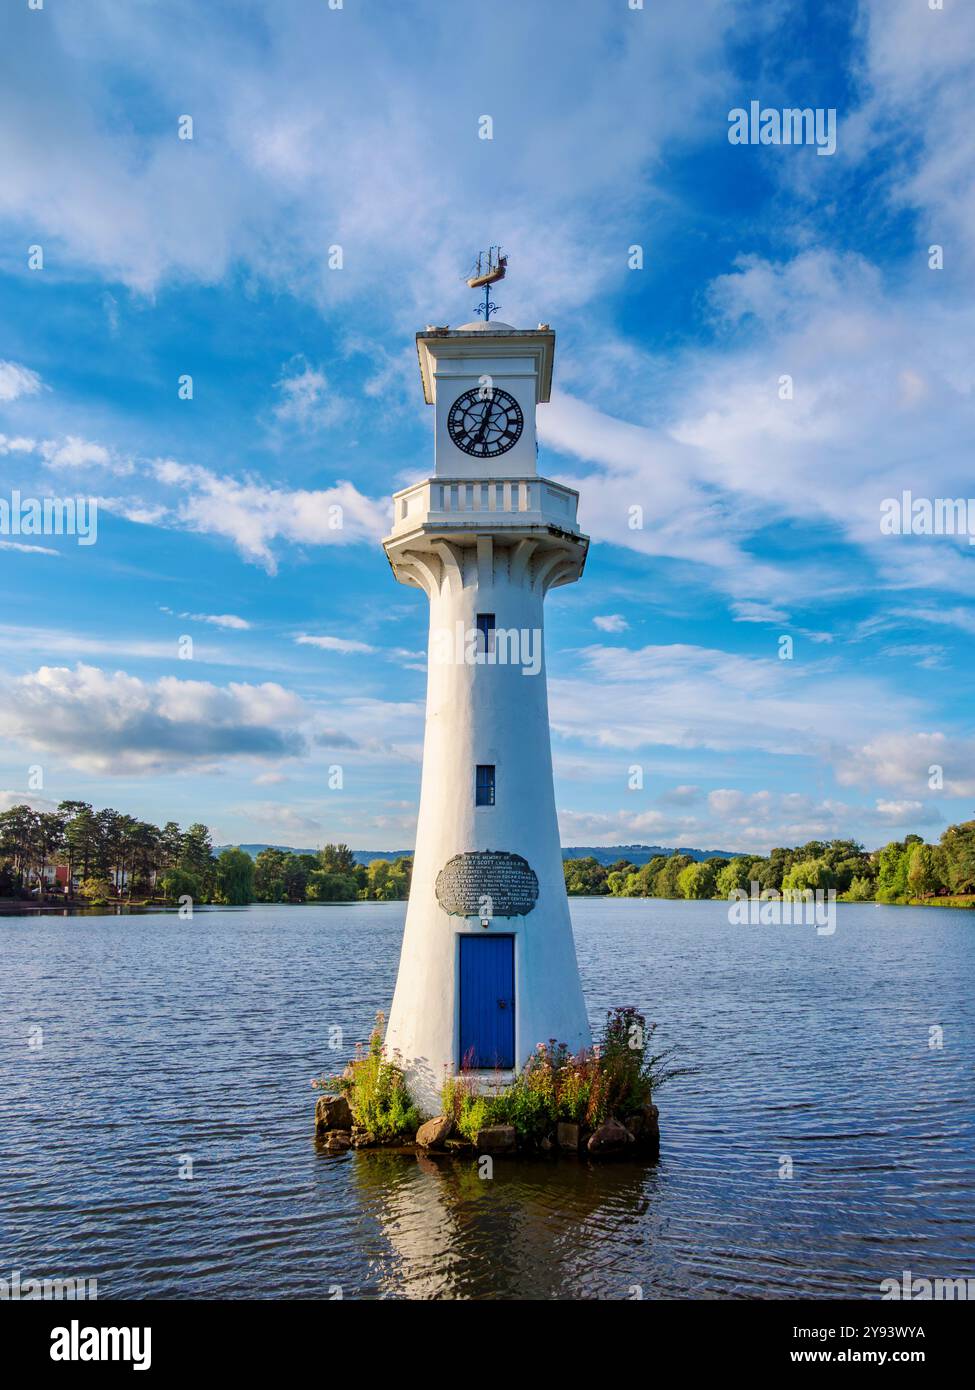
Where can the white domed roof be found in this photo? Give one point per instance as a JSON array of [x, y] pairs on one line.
[[480, 326]]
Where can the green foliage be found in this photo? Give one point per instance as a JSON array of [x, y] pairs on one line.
[[177, 883], [924, 870], [807, 876], [235, 877], [958, 846], [326, 887], [698, 880], [585, 876], [616, 1077], [859, 891], [892, 865], [96, 891], [376, 1090], [734, 876]]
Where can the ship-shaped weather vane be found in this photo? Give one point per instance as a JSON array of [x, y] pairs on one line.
[[490, 267]]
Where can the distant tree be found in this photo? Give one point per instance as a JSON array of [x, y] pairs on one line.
[[235, 877], [296, 874], [733, 877], [860, 890], [666, 880], [325, 887], [96, 890], [892, 865], [958, 845], [336, 859], [585, 876], [83, 837], [170, 845], [196, 857], [698, 880], [808, 875], [924, 875], [270, 868], [178, 883]]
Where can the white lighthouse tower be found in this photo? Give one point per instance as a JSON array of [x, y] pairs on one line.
[[488, 966]]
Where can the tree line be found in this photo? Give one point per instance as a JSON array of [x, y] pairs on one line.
[[113, 857], [116, 858], [904, 871]]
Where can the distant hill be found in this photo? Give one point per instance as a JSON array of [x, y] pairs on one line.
[[603, 854], [362, 856], [640, 854]]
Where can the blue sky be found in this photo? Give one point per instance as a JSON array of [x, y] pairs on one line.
[[358, 128]]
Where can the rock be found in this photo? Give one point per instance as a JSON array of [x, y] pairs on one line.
[[497, 1139], [332, 1112], [567, 1135], [610, 1138], [363, 1139], [433, 1134], [645, 1127], [337, 1141]]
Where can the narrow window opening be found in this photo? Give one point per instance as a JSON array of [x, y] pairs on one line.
[[484, 785], [485, 634]]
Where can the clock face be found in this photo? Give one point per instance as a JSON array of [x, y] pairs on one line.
[[485, 422]]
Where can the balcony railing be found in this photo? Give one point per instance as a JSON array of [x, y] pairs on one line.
[[493, 502]]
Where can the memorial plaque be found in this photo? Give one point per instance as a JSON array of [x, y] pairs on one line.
[[506, 880]]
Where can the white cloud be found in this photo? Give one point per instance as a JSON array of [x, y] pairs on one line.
[[253, 514], [306, 400], [18, 445], [225, 620], [902, 760], [27, 549], [72, 452], [16, 381], [332, 644], [119, 724], [302, 142], [611, 622]]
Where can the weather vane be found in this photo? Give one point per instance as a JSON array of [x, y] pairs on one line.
[[491, 266]]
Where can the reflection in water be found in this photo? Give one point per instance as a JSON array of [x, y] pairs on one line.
[[545, 1228]]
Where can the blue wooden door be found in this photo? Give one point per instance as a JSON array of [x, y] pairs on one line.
[[487, 1000]]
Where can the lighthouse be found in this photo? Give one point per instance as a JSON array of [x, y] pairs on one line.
[[488, 966]]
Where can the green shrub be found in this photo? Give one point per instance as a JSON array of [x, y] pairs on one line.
[[616, 1077], [376, 1090]]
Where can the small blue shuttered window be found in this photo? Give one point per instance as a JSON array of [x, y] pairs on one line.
[[484, 785], [485, 634]]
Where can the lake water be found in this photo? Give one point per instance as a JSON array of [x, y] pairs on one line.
[[164, 1039]]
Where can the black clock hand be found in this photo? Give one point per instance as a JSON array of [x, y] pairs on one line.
[[479, 438]]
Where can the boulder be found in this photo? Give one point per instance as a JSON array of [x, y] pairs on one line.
[[567, 1135], [332, 1112], [645, 1127], [610, 1138], [497, 1139], [337, 1141], [433, 1134]]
